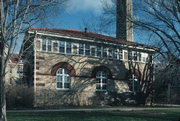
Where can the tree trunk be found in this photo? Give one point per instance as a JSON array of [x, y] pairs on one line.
[[2, 84]]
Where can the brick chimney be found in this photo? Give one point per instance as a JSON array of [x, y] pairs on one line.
[[124, 30]]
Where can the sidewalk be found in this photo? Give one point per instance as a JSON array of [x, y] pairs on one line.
[[96, 109]]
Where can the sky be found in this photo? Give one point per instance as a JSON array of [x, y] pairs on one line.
[[74, 12]]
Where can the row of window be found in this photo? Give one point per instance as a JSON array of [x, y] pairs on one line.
[[65, 47], [63, 79]]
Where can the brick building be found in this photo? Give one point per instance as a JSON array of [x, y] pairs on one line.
[[70, 67]]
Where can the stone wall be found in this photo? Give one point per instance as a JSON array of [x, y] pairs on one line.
[[82, 91]]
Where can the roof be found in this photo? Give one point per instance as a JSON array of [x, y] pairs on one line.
[[90, 35]]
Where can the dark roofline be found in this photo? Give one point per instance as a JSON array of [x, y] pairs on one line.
[[91, 35]]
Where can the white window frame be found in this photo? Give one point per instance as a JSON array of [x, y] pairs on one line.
[[64, 47], [94, 51], [101, 77], [53, 41], [42, 45], [72, 49], [48, 40], [64, 75]]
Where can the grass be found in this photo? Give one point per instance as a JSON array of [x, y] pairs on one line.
[[146, 115]]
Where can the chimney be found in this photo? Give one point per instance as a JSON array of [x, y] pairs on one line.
[[85, 30], [124, 29]]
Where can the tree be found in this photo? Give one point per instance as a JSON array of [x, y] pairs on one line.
[[16, 16], [158, 20]]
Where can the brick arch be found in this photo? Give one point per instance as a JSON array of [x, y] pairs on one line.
[[63, 65], [101, 68]]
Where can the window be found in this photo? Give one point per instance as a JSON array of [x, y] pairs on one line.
[[19, 70], [110, 53], [81, 49], [55, 46], [120, 54], [101, 81], [129, 55], [105, 52], [134, 56], [68, 47], [125, 55], [75, 48], [49, 45], [99, 51], [93, 51], [134, 87], [61, 46], [139, 56], [43, 45], [63, 78], [115, 53], [87, 49]]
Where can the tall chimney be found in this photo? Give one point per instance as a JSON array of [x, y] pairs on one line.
[[124, 29]]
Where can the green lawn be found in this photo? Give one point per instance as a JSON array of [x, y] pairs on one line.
[[150, 115]]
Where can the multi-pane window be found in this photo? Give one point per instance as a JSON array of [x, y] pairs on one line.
[[55, 46], [125, 55], [87, 49], [68, 47], [75, 48], [115, 53], [99, 51], [49, 45], [63, 78], [134, 87], [93, 50], [19, 70], [61, 46], [110, 53], [101, 81], [44, 45], [105, 50], [129, 55], [120, 54], [81, 49], [134, 55]]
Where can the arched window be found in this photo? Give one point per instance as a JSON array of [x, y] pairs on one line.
[[63, 78], [134, 83], [101, 81]]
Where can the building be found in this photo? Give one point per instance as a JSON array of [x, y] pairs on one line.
[[70, 67], [14, 70]]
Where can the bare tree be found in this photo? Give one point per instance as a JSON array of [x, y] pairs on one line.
[[16, 16], [160, 19]]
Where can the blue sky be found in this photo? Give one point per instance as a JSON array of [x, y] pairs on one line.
[[72, 14]]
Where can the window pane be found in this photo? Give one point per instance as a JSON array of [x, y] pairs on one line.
[[68, 47], [93, 51], [59, 78], [55, 46], [49, 45], [104, 52], [130, 55], [61, 47], [120, 54], [98, 80], [99, 51], [87, 49], [81, 49], [104, 87], [66, 85], [98, 86], [110, 53], [75, 49], [59, 85], [104, 80], [44, 45]]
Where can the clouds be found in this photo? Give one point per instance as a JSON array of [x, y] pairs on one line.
[[94, 6]]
